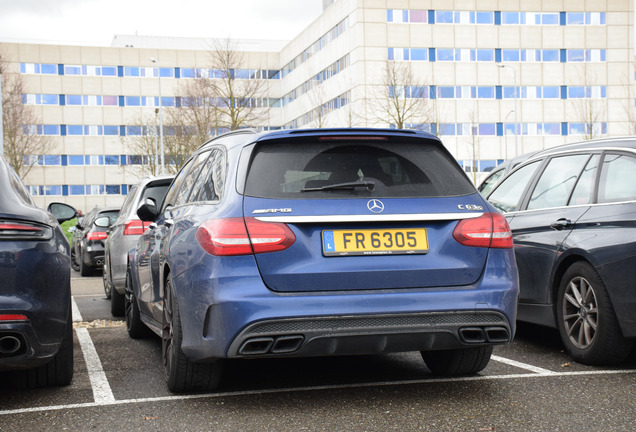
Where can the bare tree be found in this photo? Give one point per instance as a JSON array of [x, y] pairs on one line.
[[589, 108], [21, 136], [401, 98], [629, 91], [239, 99], [473, 143], [142, 141], [185, 129]]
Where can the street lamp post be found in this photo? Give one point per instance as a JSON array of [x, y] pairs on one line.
[[514, 75], [154, 60], [505, 131]]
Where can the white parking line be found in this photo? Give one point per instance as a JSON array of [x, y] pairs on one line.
[[102, 392], [77, 316], [316, 388], [525, 366]]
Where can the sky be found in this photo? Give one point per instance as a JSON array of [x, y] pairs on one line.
[[94, 22]]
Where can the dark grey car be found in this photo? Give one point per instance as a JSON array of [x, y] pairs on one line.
[[36, 327], [572, 211], [89, 239], [123, 235]]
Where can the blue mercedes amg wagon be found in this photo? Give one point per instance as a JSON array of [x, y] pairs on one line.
[[321, 242]]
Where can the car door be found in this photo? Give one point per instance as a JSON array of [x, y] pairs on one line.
[[553, 202], [156, 238]]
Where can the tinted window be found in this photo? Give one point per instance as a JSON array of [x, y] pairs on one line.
[[209, 185], [156, 192], [395, 169], [176, 185], [618, 178], [508, 193], [491, 181], [556, 182], [584, 190], [19, 188], [190, 177], [128, 202], [111, 215]]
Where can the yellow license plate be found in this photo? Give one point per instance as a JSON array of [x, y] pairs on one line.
[[374, 242]]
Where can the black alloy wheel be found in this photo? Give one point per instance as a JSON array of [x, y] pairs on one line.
[[74, 265]]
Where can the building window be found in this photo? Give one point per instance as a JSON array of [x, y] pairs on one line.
[[585, 18], [38, 68], [40, 99]]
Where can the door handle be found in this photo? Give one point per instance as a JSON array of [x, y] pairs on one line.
[[560, 224], [168, 222]]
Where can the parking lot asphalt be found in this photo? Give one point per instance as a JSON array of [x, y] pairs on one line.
[[529, 385]]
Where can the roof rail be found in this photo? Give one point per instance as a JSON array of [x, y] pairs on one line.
[[234, 132]]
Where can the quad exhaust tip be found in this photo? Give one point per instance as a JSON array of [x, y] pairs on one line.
[[475, 335], [271, 345], [9, 345]]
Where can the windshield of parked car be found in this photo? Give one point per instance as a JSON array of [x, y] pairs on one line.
[[325, 169]]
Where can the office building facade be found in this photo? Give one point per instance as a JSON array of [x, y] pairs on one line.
[[493, 78]]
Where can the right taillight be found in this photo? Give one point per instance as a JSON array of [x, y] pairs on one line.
[[229, 236], [488, 230], [135, 227]]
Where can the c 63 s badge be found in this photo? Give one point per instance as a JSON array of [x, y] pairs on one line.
[[469, 207], [274, 210]]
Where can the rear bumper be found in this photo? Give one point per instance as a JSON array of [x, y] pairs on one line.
[[21, 348], [93, 256], [346, 335], [232, 314]]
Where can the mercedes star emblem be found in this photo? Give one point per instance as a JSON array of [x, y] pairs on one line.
[[376, 206]]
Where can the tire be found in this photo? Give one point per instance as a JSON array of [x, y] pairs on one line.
[[84, 269], [117, 306], [586, 320], [181, 374], [74, 265], [465, 361], [135, 327], [57, 372], [106, 280]]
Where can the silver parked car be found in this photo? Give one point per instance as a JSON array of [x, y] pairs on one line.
[[123, 235]]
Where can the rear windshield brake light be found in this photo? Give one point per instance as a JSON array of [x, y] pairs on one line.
[[353, 138]]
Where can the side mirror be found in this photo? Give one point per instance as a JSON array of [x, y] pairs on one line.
[[62, 212], [148, 212], [102, 222]]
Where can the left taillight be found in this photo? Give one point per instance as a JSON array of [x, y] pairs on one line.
[[97, 235], [19, 230], [238, 236], [488, 230]]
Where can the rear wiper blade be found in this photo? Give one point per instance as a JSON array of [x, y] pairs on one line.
[[343, 186]]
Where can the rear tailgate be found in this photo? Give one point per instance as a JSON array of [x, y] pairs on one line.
[[340, 245], [369, 212]]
